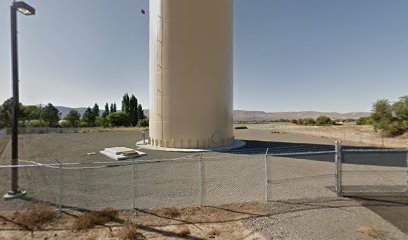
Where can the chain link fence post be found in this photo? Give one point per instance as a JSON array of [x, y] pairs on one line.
[[59, 185], [338, 160], [266, 174], [133, 184], [406, 190], [202, 180]]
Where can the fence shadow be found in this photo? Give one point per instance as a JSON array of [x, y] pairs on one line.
[[321, 152]]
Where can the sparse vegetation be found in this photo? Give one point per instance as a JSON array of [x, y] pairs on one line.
[[90, 219], [171, 212], [370, 231], [36, 215], [214, 232], [184, 231], [130, 232]]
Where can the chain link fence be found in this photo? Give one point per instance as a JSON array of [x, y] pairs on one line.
[[372, 172], [214, 178]]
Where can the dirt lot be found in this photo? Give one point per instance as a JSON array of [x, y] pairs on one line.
[[324, 218], [351, 133]]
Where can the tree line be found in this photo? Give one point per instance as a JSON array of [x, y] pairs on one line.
[[34, 116], [388, 118], [320, 121]]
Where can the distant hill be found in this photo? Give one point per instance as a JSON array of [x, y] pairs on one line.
[[65, 110], [242, 115]]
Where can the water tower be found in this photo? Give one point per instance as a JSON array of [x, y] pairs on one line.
[[191, 73]]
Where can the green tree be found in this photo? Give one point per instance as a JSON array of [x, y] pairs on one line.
[[114, 107], [364, 121], [126, 104], [133, 114], [89, 117], [51, 115], [95, 110], [400, 116], [106, 112], [5, 113], [140, 112], [30, 112], [382, 116], [74, 118], [323, 120], [117, 119], [310, 121]]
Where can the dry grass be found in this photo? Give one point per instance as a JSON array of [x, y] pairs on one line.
[[214, 232], [130, 232], [184, 231], [36, 215], [370, 231], [90, 219], [171, 212]]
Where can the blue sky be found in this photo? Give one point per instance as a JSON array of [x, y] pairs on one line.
[[289, 55]]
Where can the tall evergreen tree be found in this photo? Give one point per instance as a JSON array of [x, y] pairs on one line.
[[133, 116], [89, 117], [73, 117], [140, 113], [51, 115], [126, 104], [106, 112], [95, 110], [114, 107]]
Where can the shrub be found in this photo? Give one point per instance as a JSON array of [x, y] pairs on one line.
[[65, 124], [364, 121], [309, 121], [101, 122], [90, 219], [184, 231], [143, 123], [36, 216], [129, 232], [171, 212], [35, 123], [118, 119]]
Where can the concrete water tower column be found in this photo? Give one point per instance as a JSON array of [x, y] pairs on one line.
[[191, 75]]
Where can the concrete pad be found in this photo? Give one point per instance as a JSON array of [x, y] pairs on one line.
[[236, 144], [117, 153]]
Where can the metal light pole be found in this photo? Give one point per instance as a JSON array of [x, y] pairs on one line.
[[27, 10]]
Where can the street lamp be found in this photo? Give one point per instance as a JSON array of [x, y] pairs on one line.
[[27, 10]]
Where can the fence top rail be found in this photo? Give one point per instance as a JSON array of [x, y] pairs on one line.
[[301, 153], [381, 150]]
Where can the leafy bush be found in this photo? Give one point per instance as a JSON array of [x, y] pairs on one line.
[[118, 119], [101, 122], [65, 124], [364, 121], [143, 123], [35, 123]]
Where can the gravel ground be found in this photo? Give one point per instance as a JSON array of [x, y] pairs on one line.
[[321, 219]]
